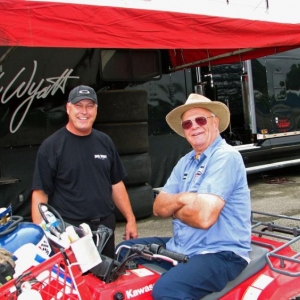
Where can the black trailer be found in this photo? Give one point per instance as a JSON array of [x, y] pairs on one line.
[[136, 91]]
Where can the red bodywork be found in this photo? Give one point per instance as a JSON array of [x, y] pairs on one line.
[[280, 286], [60, 276]]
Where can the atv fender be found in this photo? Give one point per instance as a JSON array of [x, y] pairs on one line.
[[258, 261]]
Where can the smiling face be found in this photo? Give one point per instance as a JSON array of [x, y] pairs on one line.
[[201, 136], [81, 116]]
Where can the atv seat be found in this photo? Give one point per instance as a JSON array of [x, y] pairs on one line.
[[258, 261]]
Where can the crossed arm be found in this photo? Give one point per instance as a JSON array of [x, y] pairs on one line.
[[196, 210]]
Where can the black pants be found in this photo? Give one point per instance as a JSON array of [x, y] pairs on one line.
[[109, 221]]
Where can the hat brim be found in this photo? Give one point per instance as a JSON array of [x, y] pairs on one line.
[[219, 109], [77, 99]]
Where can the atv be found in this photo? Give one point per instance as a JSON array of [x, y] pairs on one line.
[[273, 273]]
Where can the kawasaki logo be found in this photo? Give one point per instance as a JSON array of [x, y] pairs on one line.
[[134, 293]]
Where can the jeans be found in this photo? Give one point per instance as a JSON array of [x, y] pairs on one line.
[[201, 275]]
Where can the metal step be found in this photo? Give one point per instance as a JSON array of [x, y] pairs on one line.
[[272, 166]]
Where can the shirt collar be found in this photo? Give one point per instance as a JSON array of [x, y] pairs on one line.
[[208, 150]]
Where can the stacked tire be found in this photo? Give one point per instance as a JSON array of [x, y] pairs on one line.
[[123, 115]]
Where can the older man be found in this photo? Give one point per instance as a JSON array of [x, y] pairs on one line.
[[208, 197]]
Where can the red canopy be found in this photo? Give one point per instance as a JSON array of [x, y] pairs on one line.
[[201, 32]]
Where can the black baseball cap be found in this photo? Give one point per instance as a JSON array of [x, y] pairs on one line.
[[82, 92]]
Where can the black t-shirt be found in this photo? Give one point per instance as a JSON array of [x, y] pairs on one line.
[[76, 172]]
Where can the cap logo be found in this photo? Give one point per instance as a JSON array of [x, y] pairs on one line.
[[84, 92]]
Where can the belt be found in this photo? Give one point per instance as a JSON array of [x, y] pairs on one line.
[[100, 219], [94, 222]]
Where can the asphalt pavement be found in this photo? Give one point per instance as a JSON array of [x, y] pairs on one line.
[[275, 192]]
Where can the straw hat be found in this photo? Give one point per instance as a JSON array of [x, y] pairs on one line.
[[219, 109]]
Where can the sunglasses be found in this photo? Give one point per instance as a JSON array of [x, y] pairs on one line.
[[201, 121]]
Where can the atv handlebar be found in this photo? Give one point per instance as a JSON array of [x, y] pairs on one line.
[[155, 252], [159, 249]]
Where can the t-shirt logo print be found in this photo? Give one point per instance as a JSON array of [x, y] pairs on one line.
[[100, 156]]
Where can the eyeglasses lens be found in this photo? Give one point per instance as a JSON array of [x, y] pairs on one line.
[[201, 121]]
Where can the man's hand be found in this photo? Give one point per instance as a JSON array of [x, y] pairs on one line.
[[200, 210], [131, 231], [166, 205]]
